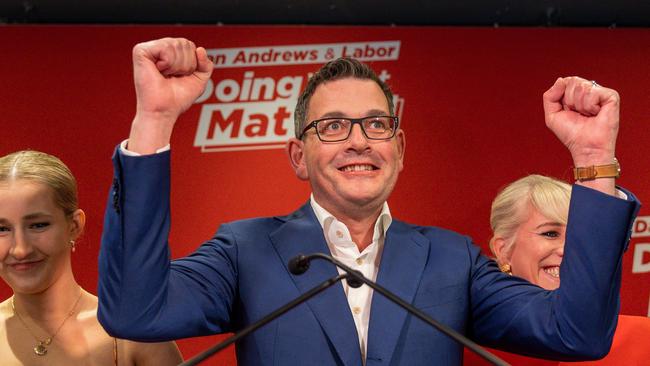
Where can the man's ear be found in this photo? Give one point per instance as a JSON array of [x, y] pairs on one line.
[[401, 147], [296, 151]]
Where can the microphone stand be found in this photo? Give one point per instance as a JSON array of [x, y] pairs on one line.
[[302, 261], [251, 328]]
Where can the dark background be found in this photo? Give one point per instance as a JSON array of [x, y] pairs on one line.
[[535, 13]]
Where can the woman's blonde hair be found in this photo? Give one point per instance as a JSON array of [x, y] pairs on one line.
[[548, 196], [42, 168]]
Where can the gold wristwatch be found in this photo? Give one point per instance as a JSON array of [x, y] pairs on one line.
[[597, 171]]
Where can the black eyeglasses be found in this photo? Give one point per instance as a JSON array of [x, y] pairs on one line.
[[339, 129]]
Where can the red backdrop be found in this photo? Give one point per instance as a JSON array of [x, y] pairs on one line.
[[470, 105]]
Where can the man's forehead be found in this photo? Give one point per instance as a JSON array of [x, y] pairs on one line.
[[341, 114]]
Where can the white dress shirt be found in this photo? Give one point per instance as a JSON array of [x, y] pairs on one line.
[[345, 250]]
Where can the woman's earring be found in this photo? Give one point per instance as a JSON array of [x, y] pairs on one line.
[[72, 245], [505, 268]]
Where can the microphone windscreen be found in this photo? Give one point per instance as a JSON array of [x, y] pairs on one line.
[[298, 265], [355, 282]]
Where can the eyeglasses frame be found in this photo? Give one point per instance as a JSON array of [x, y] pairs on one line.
[[353, 121]]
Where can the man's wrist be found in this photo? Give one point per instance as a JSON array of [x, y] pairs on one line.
[[124, 149], [149, 135], [593, 156], [610, 170]]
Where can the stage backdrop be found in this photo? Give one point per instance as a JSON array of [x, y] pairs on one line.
[[470, 101]]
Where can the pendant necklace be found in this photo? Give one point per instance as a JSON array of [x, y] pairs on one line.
[[41, 348]]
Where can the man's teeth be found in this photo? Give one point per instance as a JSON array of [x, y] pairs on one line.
[[357, 168], [553, 271]]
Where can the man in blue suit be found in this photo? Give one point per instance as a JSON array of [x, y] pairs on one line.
[[241, 274]]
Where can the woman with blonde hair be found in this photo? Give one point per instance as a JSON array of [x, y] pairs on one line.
[[528, 220], [50, 319], [533, 212]]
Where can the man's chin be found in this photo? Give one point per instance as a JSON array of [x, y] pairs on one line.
[[364, 200]]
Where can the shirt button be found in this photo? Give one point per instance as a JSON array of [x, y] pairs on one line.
[[339, 234], [359, 261], [356, 310]]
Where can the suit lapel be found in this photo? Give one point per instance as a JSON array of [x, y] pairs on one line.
[[302, 234], [403, 260]]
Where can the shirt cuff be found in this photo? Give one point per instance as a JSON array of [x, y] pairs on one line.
[[167, 147]]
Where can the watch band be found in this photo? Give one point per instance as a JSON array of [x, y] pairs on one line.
[[597, 171]]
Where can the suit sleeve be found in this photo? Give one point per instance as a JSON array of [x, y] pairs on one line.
[[142, 294], [576, 321]]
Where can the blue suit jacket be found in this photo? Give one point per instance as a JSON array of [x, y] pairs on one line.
[[241, 275]]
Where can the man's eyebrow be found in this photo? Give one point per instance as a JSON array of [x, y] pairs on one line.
[[377, 112]]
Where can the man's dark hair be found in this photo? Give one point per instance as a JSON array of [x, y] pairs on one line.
[[341, 68]]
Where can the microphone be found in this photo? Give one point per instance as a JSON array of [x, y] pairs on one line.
[[296, 264], [301, 263]]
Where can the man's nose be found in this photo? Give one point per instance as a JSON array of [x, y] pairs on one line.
[[357, 138]]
